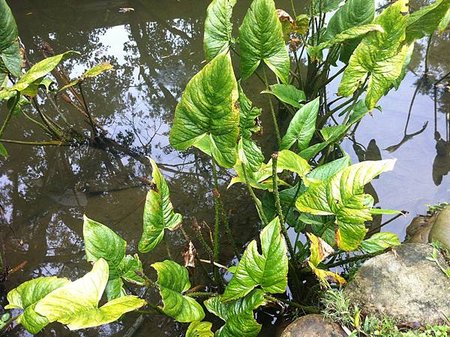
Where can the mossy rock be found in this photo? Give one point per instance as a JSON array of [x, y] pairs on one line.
[[404, 285]]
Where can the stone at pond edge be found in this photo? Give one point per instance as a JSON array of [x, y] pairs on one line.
[[425, 228], [402, 284], [313, 326]]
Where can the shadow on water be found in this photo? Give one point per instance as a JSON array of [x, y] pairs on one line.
[[155, 50]]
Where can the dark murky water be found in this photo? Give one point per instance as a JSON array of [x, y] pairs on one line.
[[155, 50]]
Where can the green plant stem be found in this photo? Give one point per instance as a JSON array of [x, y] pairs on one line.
[[351, 259], [8, 323], [272, 111], [306, 308], [21, 142], [228, 232], [333, 77], [217, 211], [200, 294], [86, 108], [293, 9], [278, 204], [255, 198], [200, 238], [10, 114]]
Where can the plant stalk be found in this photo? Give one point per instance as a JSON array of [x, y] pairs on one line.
[[278, 205]]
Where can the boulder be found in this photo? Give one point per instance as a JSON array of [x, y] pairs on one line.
[[313, 326], [404, 285], [440, 231], [428, 228]]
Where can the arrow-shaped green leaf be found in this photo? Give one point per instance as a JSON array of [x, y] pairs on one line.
[[267, 269], [218, 27], [173, 281], [76, 303], [261, 39], [158, 212], [238, 315], [207, 116], [27, 295]]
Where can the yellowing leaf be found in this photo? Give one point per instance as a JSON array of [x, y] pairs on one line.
[[380, 57], [27, 295], [76, 303], [206, 116], [320, 250]]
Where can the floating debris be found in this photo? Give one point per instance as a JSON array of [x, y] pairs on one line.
[[126, 10]]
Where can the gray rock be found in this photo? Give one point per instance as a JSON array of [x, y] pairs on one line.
[[313, 326], [402, 284]]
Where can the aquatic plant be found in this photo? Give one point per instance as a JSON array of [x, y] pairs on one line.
[[308, 186]]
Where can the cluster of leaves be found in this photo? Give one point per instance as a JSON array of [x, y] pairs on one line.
[[326, 202], [20, 89]]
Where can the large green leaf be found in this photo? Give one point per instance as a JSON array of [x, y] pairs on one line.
[[9, 45], [238, 315], [328, 170], [427, 19], [76, 303], [207, 116], [342, 195], [267, 269], [12, 59], [352, 14], [103, 243], [379, 242], [288, 94], [31, 79], [302, 127], [380, 55], [334, 134], [27, 295], [199, 329], [173, 281], [261, 39], [350, 34], [158, 213], [249, 153], [218, 27]]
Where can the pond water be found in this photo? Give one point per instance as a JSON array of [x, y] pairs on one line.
[[155, 49]]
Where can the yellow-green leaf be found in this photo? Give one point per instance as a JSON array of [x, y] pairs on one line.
[[76, 303], [207, 116], [218, 27], [261, 39], [27, 295]]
